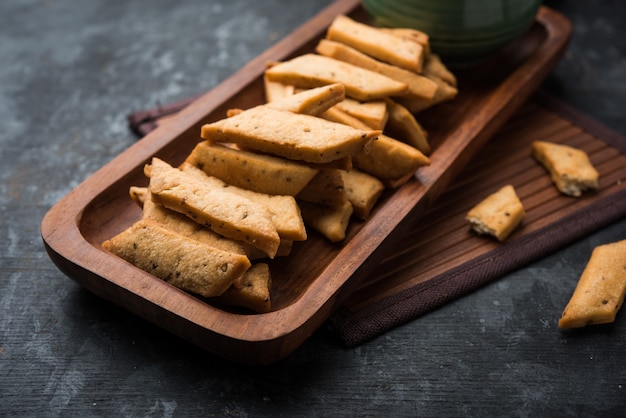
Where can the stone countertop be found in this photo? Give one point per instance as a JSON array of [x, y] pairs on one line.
[[71, 71]]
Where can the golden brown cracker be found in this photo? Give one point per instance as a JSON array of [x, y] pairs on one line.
[[226, 213], [600, 291], [290, 135], [252, 171], [498, 214], [311, 70], [185, 263], [570, 168], [402, 52]]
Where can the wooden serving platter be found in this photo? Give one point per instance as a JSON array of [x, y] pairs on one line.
[[318, 276]]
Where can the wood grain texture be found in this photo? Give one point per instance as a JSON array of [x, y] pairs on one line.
[[305, 293]]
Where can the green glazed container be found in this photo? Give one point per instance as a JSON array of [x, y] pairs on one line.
[[461, 31]]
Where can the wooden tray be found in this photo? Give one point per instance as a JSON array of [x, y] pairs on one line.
[[310, 284]]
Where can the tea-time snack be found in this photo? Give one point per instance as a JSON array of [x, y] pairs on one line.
[[390, 160], [401, 124], [330, 221], [186, 227], [225, 213], [311, 70], [418, 85], [402, 52], [180, 261], [498, 214], [362, 190], [290, 135], [312, 101], [252, 171], [569, 168], [373, 113], [283, 210], [252, 290], [600, 291], [415, 35], [325, 188]]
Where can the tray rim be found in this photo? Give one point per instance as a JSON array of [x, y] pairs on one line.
[[198, 322]]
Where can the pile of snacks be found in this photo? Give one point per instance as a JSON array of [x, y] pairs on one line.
[[337, 129]]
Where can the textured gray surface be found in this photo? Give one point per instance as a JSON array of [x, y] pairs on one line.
[[71, 71]]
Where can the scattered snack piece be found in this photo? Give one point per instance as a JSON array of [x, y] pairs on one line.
[[311, 70], [402, 52], [252, 171], [185, 263], [252, 290], [498, 214], [330, 221], [363, 191], [569, 168], [418, 85], [600, 291], [290, 135], [225, 213], [418, 36]]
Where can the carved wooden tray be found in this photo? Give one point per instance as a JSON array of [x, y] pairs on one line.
[[310, 284]]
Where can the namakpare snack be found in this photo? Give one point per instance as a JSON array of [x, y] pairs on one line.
[[600, 291], [569, 168], [498, 214]]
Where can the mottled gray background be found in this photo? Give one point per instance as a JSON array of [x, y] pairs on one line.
[[70, 72]]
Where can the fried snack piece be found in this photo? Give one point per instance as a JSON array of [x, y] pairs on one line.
[[138, 194], [183, 262], [225, 213], [373, 113], [415, 35], [330, 221], [418, 85], [184, 226], [325, 188], [498, 214], [283, 210], [363, 191], [275, 90], [290, 135], [252, 290], [600, 291], [252, 171], [569, 168], [312, 101], [402, 52], [387, 159], [435, 68], [402, 125], [445, 92], [390, 160], [311, 70]]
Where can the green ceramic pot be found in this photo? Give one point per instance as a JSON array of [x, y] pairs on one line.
[[461, 31]]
